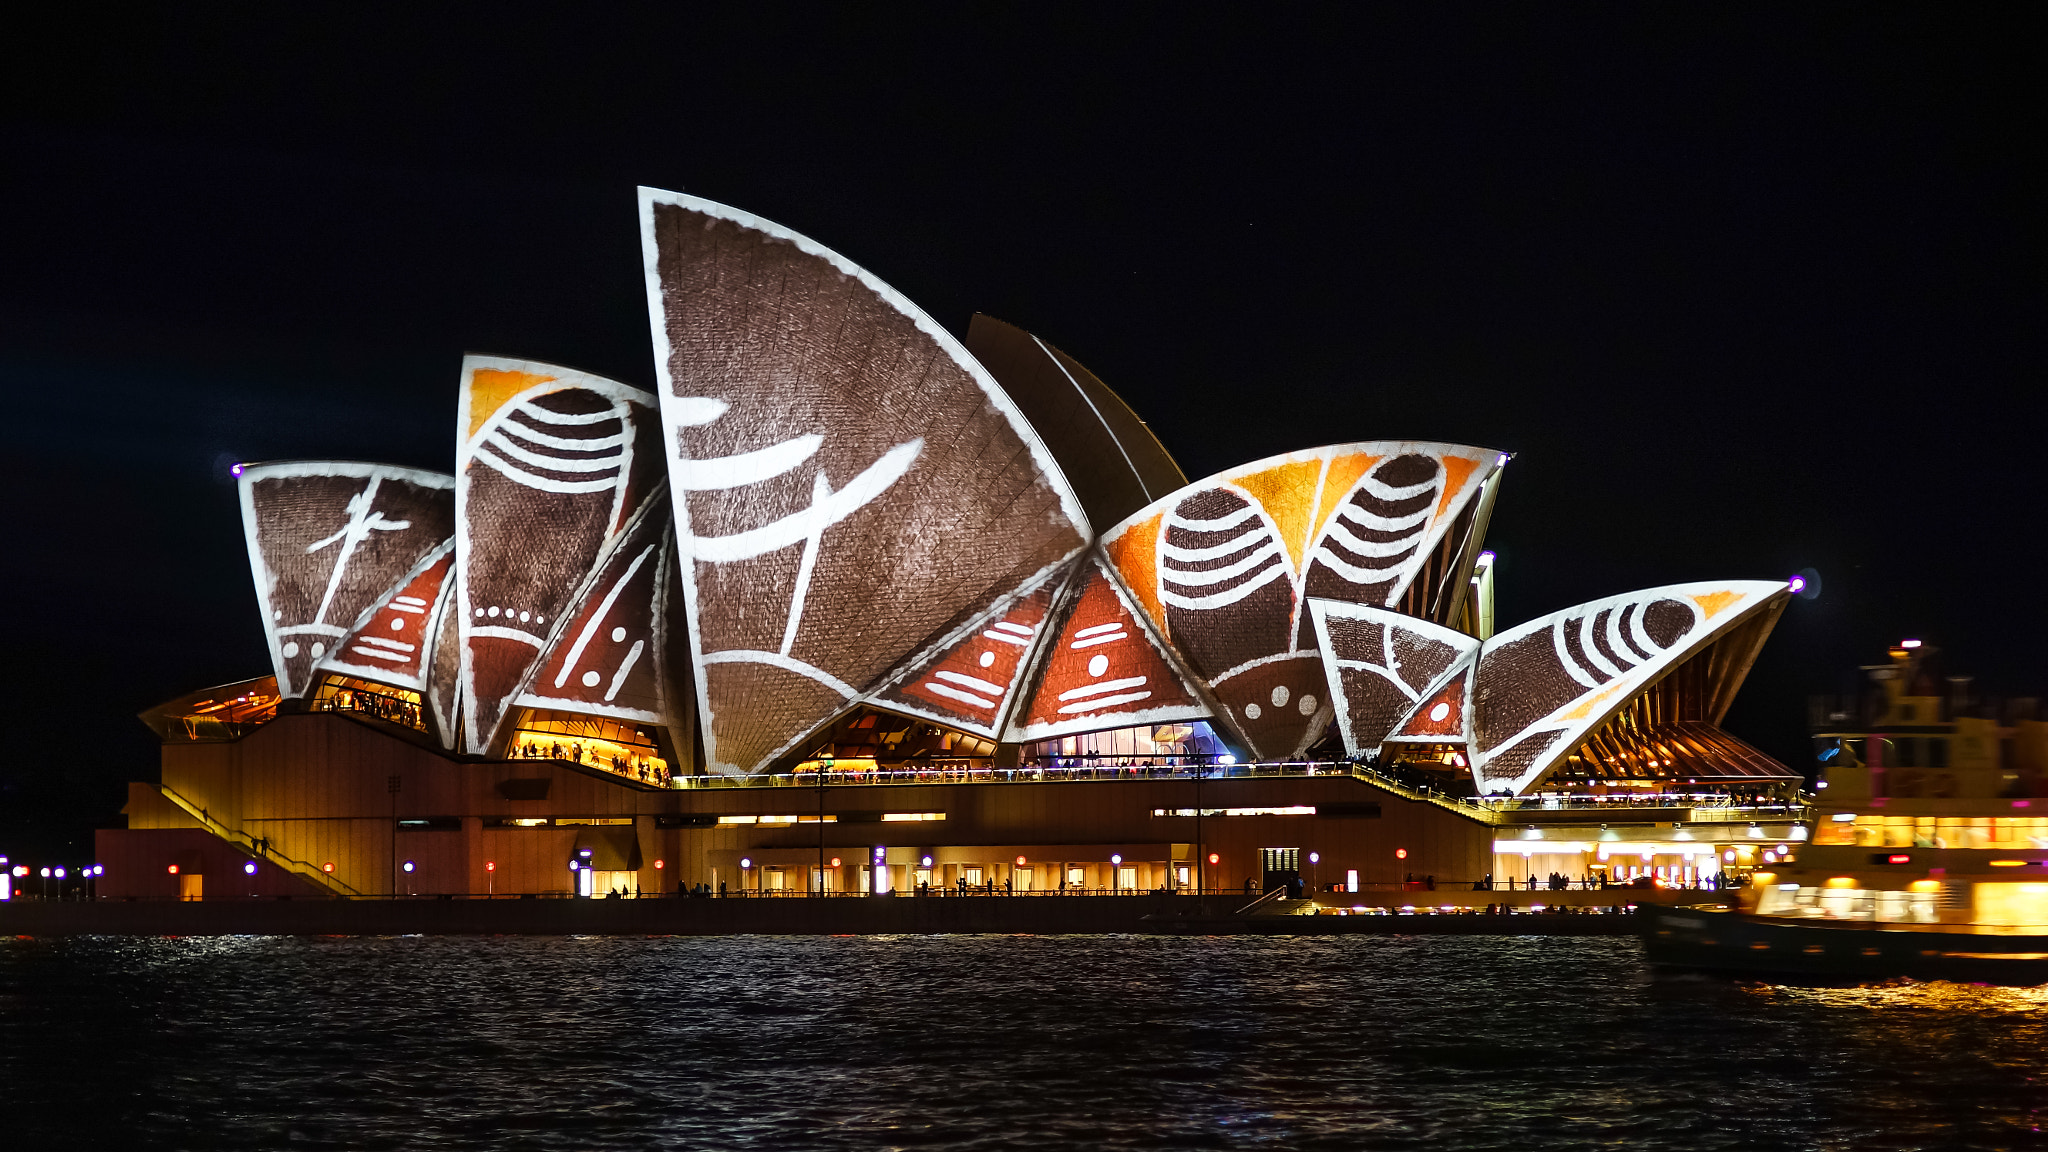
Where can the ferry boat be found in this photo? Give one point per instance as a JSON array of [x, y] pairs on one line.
[[1926, 860]]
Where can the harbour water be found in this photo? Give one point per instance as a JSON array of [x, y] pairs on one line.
[[974, 1042]]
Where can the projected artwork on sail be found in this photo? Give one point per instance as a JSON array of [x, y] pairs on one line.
[[1439, 717], [326, 540], [1539, 688], [1103, 669], [550, 466], [1225, 566], [603, 660], [1377, 663], [393, 640], [849, 483], [971, 682]]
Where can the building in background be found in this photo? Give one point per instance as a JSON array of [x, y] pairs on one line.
[[845, 604], [1918, 761]]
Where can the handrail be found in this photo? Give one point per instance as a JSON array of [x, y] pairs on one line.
[[1074, 773], [260, 847], [1273, 897]]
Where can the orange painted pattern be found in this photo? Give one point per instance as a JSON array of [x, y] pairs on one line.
[[491, 389]]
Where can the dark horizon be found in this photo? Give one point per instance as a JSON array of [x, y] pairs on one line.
[[1745, 297]]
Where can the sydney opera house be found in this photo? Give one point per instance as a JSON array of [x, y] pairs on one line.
[[845, 604]]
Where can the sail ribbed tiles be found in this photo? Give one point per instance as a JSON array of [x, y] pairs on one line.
[[393, 641], [603, 661], [1226, 565], [1103, 669], [326, 541], [550, 465], [849, 483], [1540, 688], [1378, 663], [973, 682]]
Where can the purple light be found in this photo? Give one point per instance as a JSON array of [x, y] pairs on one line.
[[250, 867], [235, 470], [1798, 584]]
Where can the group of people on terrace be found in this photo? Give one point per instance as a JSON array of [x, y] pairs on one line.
[[646, 769], [1585, 882], [390, 709]]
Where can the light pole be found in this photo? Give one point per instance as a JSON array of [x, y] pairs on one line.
[[391, 784], [824, 767]]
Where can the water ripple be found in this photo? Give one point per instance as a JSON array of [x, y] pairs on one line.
[[985, 1042]]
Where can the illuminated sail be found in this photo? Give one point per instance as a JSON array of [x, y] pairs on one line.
[[326, 541], [1541, 687], [550, 466], [1103, 669], [848, 481], [603, 658], [1378, 663], [973, 681], [1226, 565], [393, 640]]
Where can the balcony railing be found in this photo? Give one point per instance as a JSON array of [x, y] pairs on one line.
[[1104, 768]]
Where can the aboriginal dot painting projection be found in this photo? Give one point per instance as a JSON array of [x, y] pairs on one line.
[[973, 680], [603, 658], [1225, 566], [394, 640], [326, 541], [550, 465], [1539, 688], [1378, 663], [1103, 669], [850, 485]]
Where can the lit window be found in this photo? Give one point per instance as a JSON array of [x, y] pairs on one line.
[[1294, 810], [912, 816]]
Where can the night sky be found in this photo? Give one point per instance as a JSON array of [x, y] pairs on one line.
[[1743, 297]]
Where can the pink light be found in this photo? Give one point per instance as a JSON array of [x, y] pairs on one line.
[[1909, 643], [1798, 583]]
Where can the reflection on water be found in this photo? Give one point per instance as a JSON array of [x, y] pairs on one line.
[[985, 1042]]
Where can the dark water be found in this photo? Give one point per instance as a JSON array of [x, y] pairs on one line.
[[984, 1042]]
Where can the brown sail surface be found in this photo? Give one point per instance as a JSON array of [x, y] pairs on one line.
[[326, 540], [848, 480]]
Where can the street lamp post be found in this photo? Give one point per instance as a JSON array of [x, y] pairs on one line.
[[391, 784], [824, 767]]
